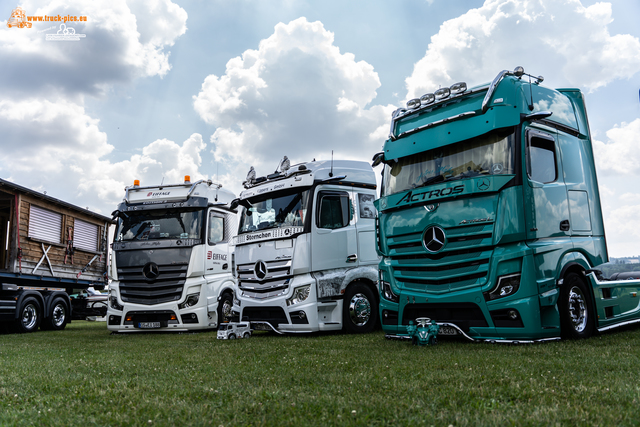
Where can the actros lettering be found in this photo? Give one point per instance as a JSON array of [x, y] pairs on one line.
[[428, 195]]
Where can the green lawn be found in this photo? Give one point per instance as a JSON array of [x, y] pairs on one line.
[[84, 376]]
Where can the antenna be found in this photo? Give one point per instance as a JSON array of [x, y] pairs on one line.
[[331, 173]]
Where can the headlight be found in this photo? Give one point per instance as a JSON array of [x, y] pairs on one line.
[[192, 299], [113, 302], [507, 285], [387, 293], [299, 295]]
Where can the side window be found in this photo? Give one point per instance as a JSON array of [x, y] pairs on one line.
[[334, 210], [541, 159], [216, 228]]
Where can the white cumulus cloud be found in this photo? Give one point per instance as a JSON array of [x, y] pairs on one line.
[[298, 95], [559, 38]]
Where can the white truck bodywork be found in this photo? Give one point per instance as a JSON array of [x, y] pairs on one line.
[[172, 254], [305, 250]]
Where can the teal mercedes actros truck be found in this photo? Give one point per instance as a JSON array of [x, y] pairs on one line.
[[489, 216]]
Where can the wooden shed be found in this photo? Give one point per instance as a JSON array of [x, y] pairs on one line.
[[57, 242]]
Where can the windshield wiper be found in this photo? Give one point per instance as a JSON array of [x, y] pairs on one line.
[[432, 180]]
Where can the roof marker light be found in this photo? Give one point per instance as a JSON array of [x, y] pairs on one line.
[[414, 103], [427, 99]]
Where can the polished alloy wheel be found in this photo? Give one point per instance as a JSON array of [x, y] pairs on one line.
[[359, 309], [577, 309]]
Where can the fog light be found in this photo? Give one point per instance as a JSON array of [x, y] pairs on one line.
[[442, 93], [427, 98], [458, 88], [513, 315], [414, 103], [302, 314]]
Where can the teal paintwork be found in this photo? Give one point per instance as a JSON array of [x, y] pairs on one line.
[[509, 240]]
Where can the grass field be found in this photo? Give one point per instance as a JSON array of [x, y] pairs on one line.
[[84, 376]]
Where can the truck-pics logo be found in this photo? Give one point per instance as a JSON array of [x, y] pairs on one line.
[[18, 19]]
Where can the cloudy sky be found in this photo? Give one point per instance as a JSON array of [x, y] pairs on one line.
[[159, 89]]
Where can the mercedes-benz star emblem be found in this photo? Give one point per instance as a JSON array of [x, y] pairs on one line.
[[260, 269], [434, 239], [497, 168], [483, 184], [151, 270]]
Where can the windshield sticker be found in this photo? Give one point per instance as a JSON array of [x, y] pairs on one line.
[[427, 195], [269, 234], [367, 209]]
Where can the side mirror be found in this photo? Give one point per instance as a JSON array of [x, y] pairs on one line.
[[377, 159], [234, 204], [535, 116]]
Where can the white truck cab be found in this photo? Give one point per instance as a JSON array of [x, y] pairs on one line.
[[306, 256], [171, 265]]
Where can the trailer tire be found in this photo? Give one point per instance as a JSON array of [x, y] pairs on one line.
[[359, 309], [574, 304], [29, 316], [224, 308], [58, 317]]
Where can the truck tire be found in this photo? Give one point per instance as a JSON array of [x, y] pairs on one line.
[[224, 308], [359, 309], [232, 336], [29, 316], [574, 304], [58, 316]]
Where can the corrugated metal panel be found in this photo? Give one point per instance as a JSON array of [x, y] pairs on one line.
[[44, 224], [85, 235]]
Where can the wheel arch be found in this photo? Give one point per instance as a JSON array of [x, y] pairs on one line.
[[48, 302], [26, 294]]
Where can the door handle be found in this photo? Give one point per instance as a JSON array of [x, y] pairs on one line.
[[352, 258], [564, 225]]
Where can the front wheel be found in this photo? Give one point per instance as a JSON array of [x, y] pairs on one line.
[[29, 315], [576, 317], [224, 308], [232, 336], [360, 311]]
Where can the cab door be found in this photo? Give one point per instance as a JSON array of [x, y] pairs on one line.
[[546, 205], [217, 243], [333, 239]]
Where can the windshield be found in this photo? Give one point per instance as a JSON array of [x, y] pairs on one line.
[[488, 154], [160, 224], [285, 210]]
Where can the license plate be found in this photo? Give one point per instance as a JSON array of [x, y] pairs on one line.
[[447, 330], [148, 325]]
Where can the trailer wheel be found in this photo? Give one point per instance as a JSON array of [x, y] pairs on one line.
[[576, 317], [359, 310], [224, 308], [58, 316], [29, 316]]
